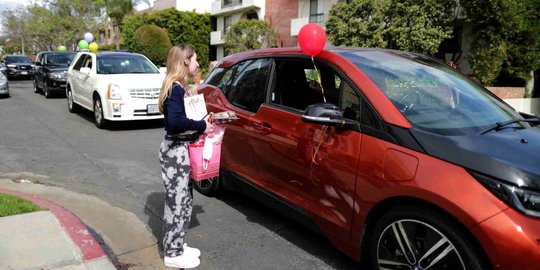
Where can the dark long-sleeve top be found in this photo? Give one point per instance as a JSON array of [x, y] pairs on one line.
[[175, 113]]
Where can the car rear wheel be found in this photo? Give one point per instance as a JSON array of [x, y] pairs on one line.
[[36, 88], [209, 187], [417, 237], [72, 106], [99, 120]]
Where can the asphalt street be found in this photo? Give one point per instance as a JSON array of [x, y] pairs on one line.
[[41, 140]]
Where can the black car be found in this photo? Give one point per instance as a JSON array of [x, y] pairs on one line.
[[50, 72], [18, 66]]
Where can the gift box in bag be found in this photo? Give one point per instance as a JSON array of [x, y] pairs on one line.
[[205, 154]]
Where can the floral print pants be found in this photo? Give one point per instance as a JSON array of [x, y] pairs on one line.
[[174, 159]]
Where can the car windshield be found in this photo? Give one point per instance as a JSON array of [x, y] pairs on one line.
[[431, 95], [124, 63], [59, 59], [18, 59]]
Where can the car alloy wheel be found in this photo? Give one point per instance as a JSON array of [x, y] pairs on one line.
[[46, 90], [417, 238], [72, 107], [36, 88], [99, 120]]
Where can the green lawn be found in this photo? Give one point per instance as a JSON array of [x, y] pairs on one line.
[[13, 205]]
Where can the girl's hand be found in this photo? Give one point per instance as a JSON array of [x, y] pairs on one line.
[[208, 120]]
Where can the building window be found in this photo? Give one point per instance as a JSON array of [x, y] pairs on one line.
[[316, 11], [227, 21], [230, 3]]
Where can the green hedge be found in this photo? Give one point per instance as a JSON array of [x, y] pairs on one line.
[[153, 42]]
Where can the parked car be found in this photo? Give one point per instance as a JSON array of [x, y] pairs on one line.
[[4, 85], [394, 156], [50, 72], [18, 66], [116, 86]]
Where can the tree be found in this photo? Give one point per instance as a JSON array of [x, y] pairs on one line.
[[248, 35], [404, 25], [117, 10], [507, 38], [182, 27], [153, 42], [51, 23]]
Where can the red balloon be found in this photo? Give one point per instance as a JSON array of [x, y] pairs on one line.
[[312, 39]]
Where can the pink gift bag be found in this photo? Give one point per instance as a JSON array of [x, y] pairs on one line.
[[205, 154]]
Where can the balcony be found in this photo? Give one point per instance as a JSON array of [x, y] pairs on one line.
[[227, 7], [216, 38]]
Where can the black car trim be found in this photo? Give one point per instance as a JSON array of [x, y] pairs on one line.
[[282, 207]]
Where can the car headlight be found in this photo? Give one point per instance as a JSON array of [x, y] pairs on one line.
[[12, 66], [57, 75], [525, 201], [113, 92]]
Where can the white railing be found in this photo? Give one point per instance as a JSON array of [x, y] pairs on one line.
[[216, 38], [296, 24]]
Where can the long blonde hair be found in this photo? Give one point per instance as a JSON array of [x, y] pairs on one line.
[[177, 71]]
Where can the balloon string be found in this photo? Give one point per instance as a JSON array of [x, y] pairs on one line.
[[319, 77]]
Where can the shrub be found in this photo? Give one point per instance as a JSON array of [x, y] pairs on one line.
[[152, 41]]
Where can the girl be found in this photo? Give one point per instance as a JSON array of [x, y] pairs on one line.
[[174, 158]]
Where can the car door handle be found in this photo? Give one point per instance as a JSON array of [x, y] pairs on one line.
[[262, 127]]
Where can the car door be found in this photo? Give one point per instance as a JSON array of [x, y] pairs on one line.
[[76, 78], [311, 166], [245, 94], [38, 73], [88, 81]]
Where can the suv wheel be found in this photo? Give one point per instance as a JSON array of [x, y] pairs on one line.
[[72, 106], [209, 187], [417, 237], [36, 88], [46, 90], [99, 120]]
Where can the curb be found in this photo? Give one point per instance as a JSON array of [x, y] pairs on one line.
[[71, 224]]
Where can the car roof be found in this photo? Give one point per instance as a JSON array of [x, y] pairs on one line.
[[235, 58]]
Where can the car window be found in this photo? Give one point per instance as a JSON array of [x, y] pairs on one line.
[[124, 64], [248, 89], [221, 78], [18, 59], [299, 84], [56, 59], [431, 95], [80, 61]]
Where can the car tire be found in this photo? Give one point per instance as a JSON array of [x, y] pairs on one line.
[[46, 91], [405, 236], [209, 187], [36, 88], [72, 106], [99, 120]]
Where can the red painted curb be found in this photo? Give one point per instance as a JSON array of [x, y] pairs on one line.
[[76, 230]]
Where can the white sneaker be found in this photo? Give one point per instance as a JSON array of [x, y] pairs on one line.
[[193, 251], [183, 261]]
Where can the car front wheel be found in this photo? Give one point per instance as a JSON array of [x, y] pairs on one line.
[[209, 187], [417, 237], [46, 91], [99, 120], [36, 88]]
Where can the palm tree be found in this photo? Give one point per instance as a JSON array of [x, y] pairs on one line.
[[117, 10]]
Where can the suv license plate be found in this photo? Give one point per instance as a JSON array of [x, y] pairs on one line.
[[24, 73], [152, 108]]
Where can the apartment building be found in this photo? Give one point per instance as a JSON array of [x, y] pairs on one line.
[[200, 6]]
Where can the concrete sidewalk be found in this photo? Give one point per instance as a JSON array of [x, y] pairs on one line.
[[60, 239]]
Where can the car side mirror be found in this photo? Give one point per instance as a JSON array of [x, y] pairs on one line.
[[329, 115], [85, 70]]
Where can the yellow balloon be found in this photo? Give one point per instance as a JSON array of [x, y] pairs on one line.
[[93, 47]]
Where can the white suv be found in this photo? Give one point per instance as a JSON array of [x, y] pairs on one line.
[[116, 86]]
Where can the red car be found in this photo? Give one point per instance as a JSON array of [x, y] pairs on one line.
[[397, 158]]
